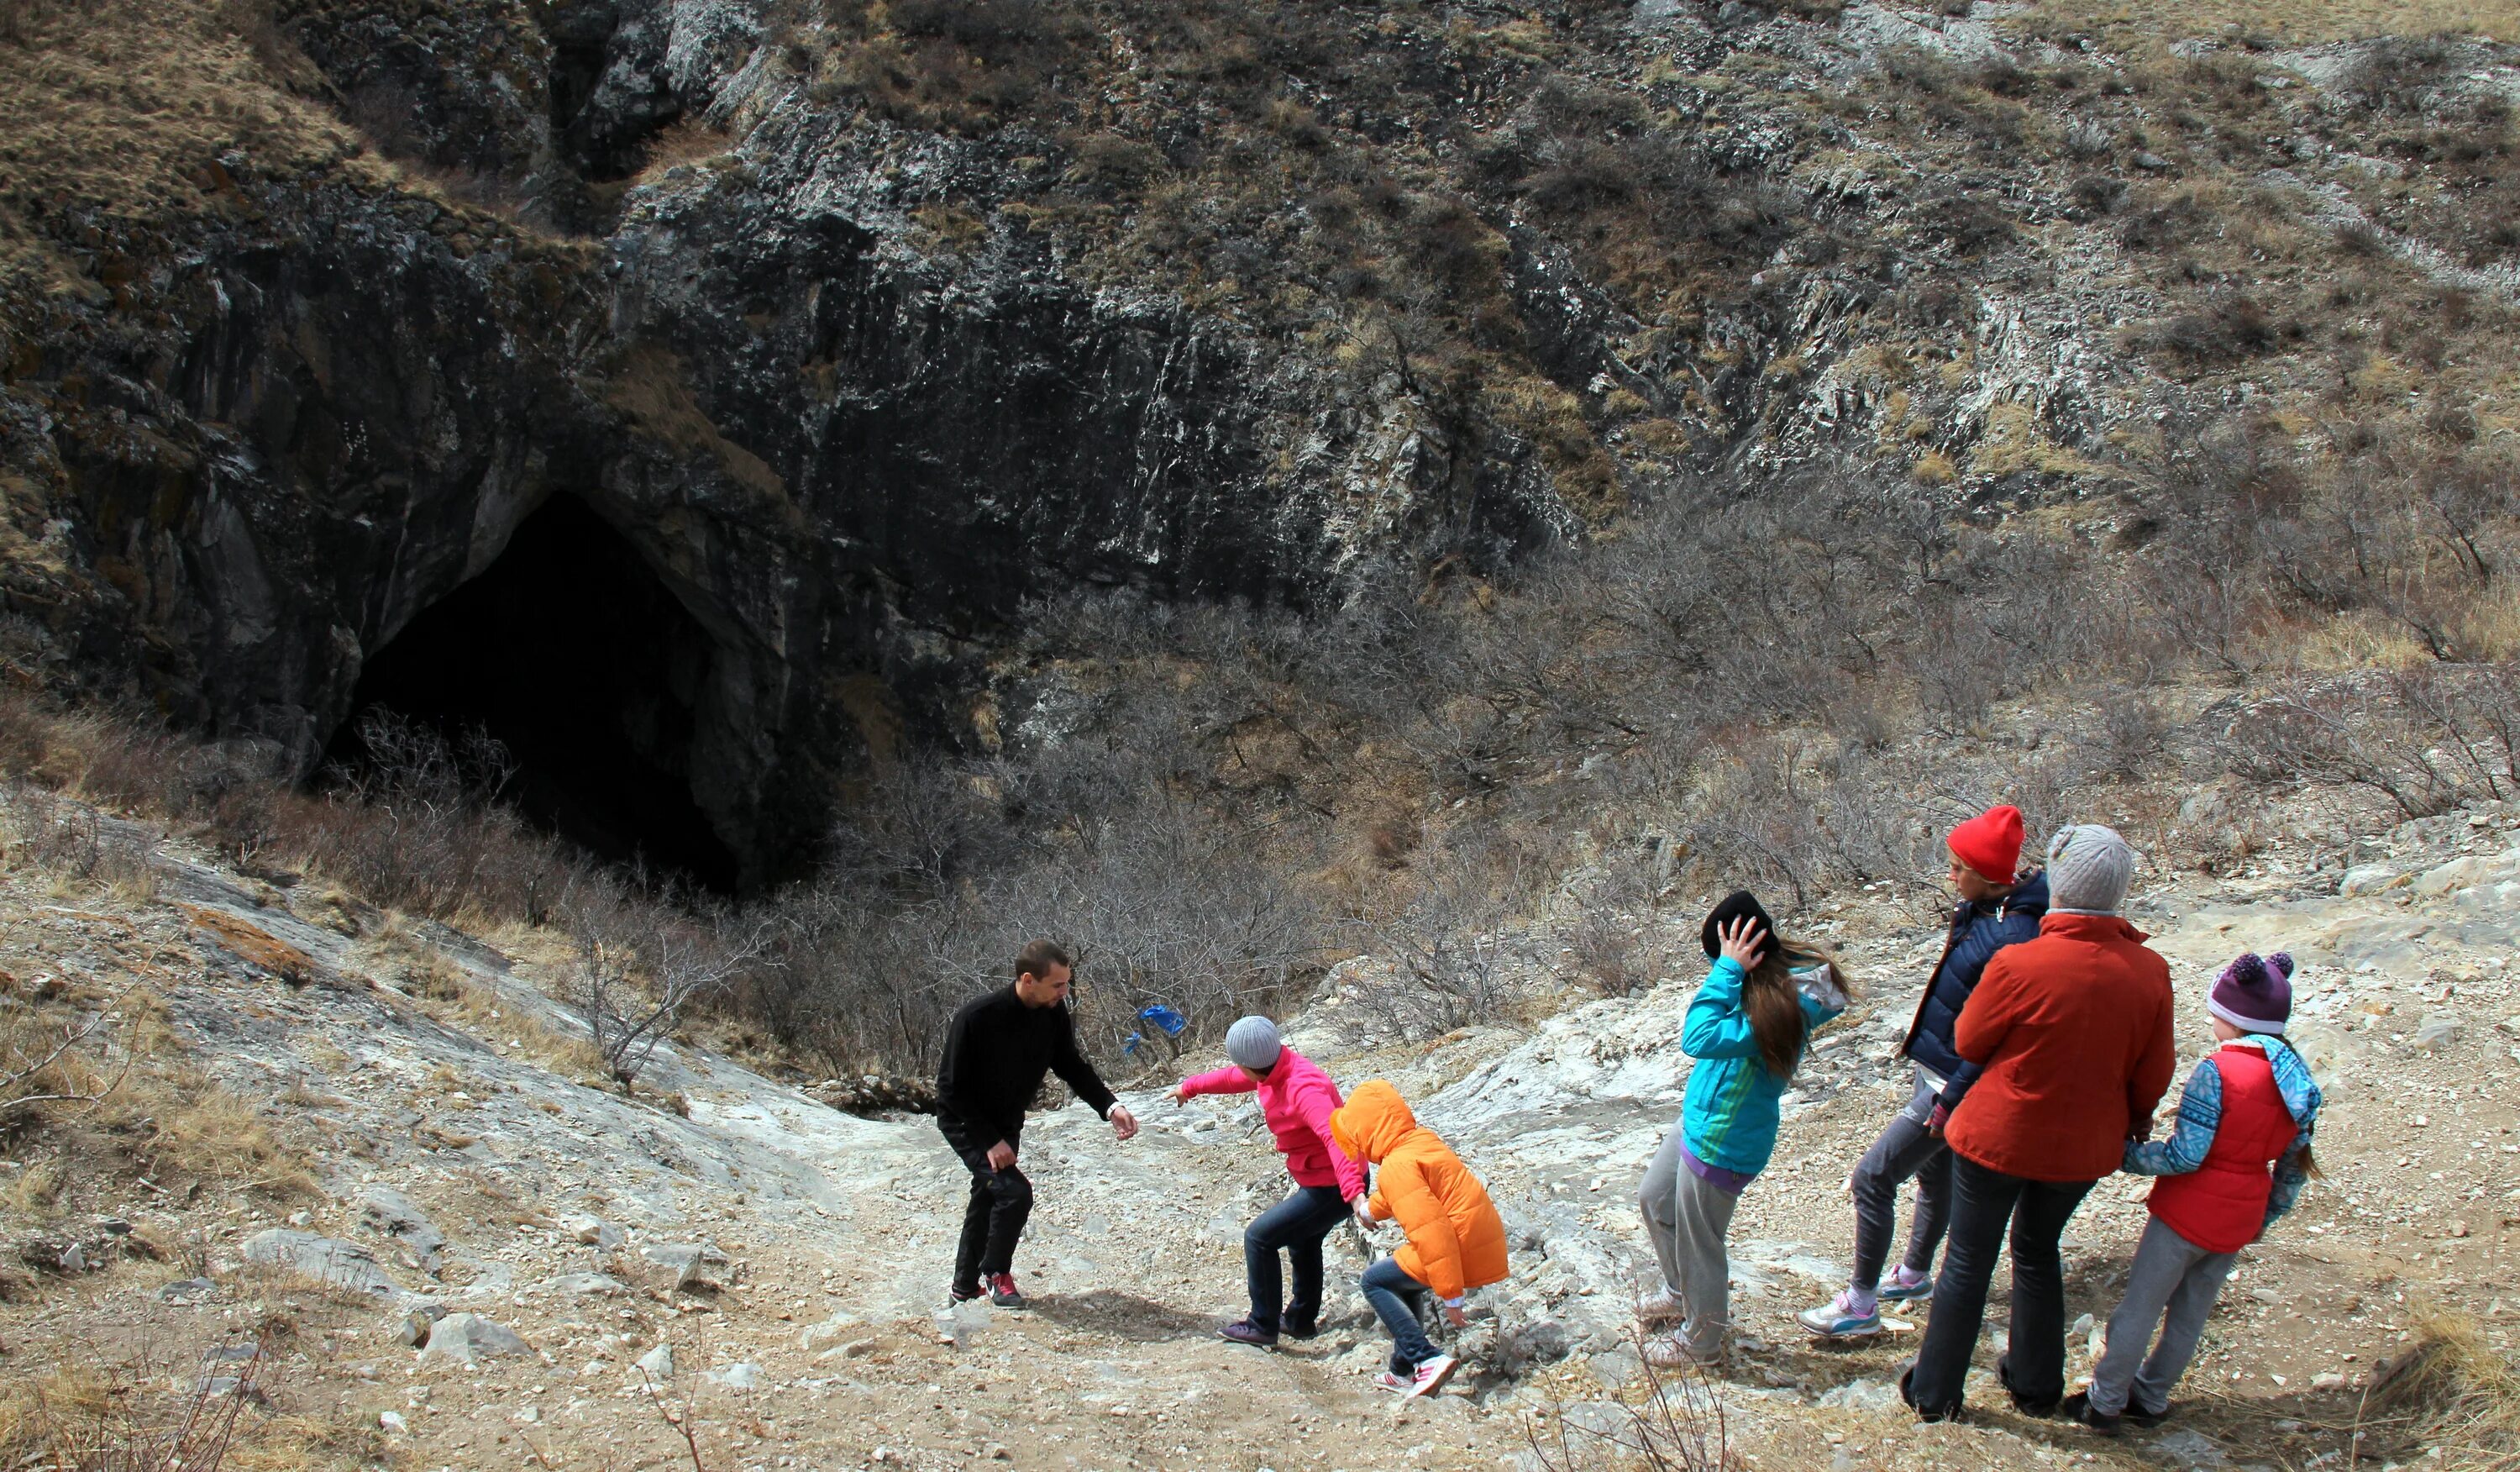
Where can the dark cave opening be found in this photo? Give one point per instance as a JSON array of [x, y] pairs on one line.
[[570, 652]]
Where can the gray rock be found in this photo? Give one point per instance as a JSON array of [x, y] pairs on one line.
[[187, 1291], [393, 1424], [742, 1375], [659, 1362], [390, 1214], [470, 1339], [339, 1264], [588, 1285], [2370, 879], [1614, 1367], [593, 1231], [831, 1331], [1861, 1395], [689, 1265], [2437, 1031]]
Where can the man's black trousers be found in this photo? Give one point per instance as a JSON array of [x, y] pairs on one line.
[[994, 1220]]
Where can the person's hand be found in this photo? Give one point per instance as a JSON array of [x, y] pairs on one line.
[[1364, 1212], [1454, 1315], [1001, 1156], [1941, 1117], [1742, 940], [1181, 1092], [1124, 1124]]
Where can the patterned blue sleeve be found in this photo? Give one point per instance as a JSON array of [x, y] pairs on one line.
[[2201, 1114], [2290, 1178]]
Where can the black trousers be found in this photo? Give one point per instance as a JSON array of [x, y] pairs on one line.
[[1984, 1203], [994, 1219]]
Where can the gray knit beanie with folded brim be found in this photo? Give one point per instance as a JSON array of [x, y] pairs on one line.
[[1252, 1044], [2088, 869]]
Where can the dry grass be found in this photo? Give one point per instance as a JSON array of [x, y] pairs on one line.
[[129, 104], [99, 1411], [2298, 22], [2461, 1393]]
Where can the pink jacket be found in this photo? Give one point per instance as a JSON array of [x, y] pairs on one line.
[[1297, 1099]]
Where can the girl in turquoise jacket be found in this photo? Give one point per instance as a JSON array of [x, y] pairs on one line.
[[1746, 1027]]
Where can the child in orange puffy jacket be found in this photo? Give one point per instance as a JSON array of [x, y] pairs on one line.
[[1455, 1239]]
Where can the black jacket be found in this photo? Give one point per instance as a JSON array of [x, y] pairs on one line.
[[1979, 929], [996, 1051]]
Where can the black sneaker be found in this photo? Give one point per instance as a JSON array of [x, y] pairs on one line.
[[2148, 1419], [1244, 1331], [2078, 1407], [2028, 1407], [1001, 1291], [1300, 1328], [962, 1293]]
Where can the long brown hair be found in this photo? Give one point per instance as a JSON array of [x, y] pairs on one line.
[[1776, 1005]]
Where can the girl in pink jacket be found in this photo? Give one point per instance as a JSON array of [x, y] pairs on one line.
[[1296, 1098]]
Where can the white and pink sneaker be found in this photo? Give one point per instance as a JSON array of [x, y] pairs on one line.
[[1431, 1375]]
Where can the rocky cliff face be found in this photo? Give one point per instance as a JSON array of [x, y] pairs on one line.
[[854, 372]]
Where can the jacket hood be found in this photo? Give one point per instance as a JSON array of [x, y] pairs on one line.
[[2028, 898], [2090, 927], [1371, 1122]]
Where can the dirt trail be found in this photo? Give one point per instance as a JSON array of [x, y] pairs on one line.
[[813, 1245]]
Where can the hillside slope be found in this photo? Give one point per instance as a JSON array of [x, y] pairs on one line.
[[460, 1164]]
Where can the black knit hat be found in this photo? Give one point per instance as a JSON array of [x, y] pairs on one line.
[[1736, 905]]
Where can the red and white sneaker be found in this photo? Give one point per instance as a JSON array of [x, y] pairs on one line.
[[1431, 1375]]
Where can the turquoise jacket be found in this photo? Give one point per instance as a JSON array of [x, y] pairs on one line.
[[1729, 1115]]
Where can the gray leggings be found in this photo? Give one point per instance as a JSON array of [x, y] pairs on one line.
[[1905, 1148], [2172, 1284], [1688, 1219]]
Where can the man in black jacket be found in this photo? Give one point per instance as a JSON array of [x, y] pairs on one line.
[[1999, 907], [996, 1051]]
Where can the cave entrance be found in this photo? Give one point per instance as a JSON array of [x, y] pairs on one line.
[[571, 653]]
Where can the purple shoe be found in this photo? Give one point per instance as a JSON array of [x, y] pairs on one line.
[[1244, 1331]]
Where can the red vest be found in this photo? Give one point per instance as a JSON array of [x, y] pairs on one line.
[[2220, 1206]]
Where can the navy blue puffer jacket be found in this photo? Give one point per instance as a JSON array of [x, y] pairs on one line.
[[1979, 929]]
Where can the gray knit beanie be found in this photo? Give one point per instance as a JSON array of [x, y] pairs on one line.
[[1254, 1043], [2088, 869]]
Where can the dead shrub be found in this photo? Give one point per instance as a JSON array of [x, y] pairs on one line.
[[1677, 1424]]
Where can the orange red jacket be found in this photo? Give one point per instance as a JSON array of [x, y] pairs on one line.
[[1455, 1239], [2073, 1032]]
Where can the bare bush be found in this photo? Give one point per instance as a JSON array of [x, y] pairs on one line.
[[2427, 739], [1679, 1424], [56, 1058], [1445, 949], [643, 967]]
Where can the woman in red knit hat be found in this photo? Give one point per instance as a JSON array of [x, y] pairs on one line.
[[1999, 906]]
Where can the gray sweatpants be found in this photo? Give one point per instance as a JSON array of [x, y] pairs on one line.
[[2170, 1274], [1688, 1219]]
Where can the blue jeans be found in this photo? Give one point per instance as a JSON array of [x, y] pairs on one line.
[[1384, 1286], [1299, 1224]]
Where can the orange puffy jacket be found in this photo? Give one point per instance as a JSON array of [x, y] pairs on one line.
[[1455, 1239]]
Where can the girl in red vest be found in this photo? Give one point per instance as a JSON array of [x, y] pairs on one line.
[[2236, 1163]]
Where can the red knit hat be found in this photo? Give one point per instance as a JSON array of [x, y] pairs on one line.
[[1990, 843]]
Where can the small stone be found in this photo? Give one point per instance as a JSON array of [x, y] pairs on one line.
[[392, 1423], [469, 1339], [593, 1231], [2456, 1230], [743, 1375], [2436, 1032], [659, 1362], [2327, 1380], [588, 1285], [187, 1291], [342, 1265]]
